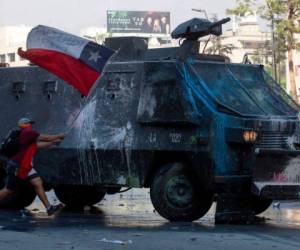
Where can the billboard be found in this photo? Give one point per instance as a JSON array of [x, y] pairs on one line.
[[138, 22]]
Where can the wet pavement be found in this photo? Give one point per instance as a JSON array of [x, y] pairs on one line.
[[128, 221]]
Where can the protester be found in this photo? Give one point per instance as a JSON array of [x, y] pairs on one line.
[[20, 166]]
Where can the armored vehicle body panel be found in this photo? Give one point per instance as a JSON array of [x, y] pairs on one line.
[[187, 125]]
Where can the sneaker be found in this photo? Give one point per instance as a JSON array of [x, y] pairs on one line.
[[54, 209]]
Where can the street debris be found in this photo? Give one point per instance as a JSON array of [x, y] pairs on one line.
[[276, 205], [138, 235], [120, 242], [64, 243]]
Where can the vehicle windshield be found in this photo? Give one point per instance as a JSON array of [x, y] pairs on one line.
[[245, 89]]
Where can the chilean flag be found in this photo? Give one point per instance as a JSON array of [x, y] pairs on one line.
[[76, 60]]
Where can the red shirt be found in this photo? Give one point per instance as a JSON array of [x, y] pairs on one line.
[[28, 148]]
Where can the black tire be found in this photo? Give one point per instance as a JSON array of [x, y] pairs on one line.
[[79, 196], [176, 197], [22, 197]]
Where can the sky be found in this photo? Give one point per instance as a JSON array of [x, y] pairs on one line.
[[73, 15]]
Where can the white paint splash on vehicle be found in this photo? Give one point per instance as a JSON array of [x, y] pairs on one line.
[[86, 124]]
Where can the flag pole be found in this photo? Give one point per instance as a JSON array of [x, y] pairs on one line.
[[68, 130]]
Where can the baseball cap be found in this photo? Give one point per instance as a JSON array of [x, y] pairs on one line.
[[25, 120]]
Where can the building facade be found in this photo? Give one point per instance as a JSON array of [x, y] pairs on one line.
[[247, 41], [12, 38]]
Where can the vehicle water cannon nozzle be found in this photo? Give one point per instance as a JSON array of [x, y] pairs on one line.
[[198, 27]]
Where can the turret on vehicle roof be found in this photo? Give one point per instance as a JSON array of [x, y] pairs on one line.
[[198, 27]]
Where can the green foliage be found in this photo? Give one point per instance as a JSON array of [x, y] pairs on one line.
[[284, 16], [284, 13], [242, 8], [270, 8], [281, 81]]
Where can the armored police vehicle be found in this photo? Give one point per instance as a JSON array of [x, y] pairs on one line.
[[193, 127]]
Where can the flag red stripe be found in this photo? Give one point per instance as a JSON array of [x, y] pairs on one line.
[[72, 70]]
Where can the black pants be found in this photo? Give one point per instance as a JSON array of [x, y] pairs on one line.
[[11, 181]]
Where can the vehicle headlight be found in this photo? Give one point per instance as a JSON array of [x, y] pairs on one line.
[[250, 136]]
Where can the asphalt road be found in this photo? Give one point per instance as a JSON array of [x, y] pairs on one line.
[[128, 221]]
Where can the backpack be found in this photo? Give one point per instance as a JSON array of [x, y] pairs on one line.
[[10, 144]]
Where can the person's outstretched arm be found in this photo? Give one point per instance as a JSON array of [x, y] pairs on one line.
[[47, 144], [50, 138]]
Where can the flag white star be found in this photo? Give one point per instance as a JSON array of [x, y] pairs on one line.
[[94, 56]]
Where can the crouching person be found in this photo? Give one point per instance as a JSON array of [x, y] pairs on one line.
[[20, 166]]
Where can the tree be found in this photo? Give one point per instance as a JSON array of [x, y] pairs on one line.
[[242, 8], [285, 26]]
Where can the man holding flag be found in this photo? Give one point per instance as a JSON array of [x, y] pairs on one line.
[[77, 61], [20, 163]]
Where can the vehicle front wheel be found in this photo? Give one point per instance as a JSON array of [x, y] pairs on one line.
[[175, 195]]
